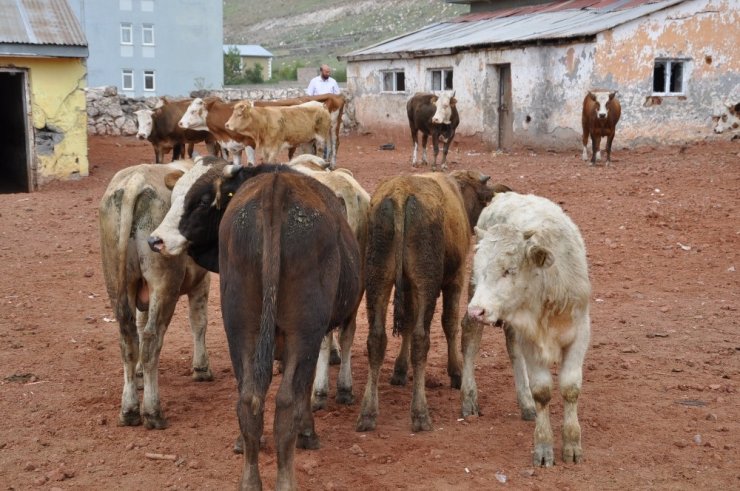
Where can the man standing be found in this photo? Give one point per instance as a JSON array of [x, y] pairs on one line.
[[323, 84]]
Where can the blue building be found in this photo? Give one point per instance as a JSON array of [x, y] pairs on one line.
[[153, 47]]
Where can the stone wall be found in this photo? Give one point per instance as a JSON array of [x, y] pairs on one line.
[[109, 113]]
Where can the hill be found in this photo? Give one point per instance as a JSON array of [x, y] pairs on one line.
[[309, 32]]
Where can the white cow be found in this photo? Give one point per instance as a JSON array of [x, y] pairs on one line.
[[530, 275]]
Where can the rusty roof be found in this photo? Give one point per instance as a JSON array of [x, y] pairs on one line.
[[39, 22], [557, 20]]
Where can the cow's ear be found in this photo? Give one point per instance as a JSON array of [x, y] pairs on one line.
[[171, 178], [591, 95], [540, 256], [736, 109], [434, 99], [453, 101], [480, 232], [612, 94]]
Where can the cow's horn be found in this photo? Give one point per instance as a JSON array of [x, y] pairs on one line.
[[231, 170], [484, 178]]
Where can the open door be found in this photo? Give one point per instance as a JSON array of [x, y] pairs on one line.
[[505, 112], [15, 129]]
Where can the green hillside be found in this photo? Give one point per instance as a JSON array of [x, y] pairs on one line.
[[309, 32]]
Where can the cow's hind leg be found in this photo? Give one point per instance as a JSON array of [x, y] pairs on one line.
[[596, 153], [420, 419], [521, 381], [401, 365], [198, 310], [570, 378], [472, 332], [250, 412], [609, 140], [129, 342], [344, 381], [424, 139], [540, 382], [321, 381], [450, 325]]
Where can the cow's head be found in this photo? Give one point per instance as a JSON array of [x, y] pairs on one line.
[[475, 192], [195, 116], [144, 123], [444, 103], [506, 265], [601, 102], [241, 117], [727, 119]]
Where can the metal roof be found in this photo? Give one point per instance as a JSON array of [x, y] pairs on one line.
[[249, 50], [40, 27], [558, 20]]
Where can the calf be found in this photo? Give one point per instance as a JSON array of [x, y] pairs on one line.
[[144, 287], [530, 276], [210, 114], [419, 231], [601, 112], [275, 128], [290, 271], [160, 127], [728, 119], [436, 116]]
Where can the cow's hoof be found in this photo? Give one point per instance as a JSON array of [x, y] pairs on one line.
[[528, 413], [543, 455], [470, 408], [308, 441], [202, 374], [238, 445], [155, 421], [421, 422], [318, 401], [572, 453], [398, 378], [334, 357], [345, 396], [129, 418], [366, 422], [456, 381]]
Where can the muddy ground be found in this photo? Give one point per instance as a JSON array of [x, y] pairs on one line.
[[659, 408]]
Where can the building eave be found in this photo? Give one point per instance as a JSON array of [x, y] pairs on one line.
[[42, 51]]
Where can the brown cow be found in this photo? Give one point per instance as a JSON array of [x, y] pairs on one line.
[[160, 127], [435, 116], [275, 128], [601, 112], [418, 238], [290, 272]]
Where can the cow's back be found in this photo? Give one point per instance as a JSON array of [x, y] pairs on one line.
[[420, 110]]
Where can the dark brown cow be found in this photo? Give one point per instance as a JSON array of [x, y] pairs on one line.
[[419, 232], [160, 127], [290, 272], [601, 112], [436, 116]]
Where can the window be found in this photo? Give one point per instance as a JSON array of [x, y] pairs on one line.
[[127, 79], [126, 33], [394, 81], [668, 77], [441, 79], [148, 79], [147, 34]]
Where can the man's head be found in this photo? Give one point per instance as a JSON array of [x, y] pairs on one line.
[[325, 71]]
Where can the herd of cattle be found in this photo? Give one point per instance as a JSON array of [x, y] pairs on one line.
[[297, 246]]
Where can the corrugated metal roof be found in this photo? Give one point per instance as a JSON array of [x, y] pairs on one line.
[[566, 19], [249, 50], [39, 22]]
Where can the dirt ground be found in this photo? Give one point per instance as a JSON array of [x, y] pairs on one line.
[[659, 409]]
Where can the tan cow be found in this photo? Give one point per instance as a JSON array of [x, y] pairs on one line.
[[144, 287], [530, 276], [419, 232], [277, 128]]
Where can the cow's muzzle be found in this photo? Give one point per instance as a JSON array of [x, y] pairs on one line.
[[155, 244], [141, 136]]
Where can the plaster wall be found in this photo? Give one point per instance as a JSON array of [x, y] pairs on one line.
[[58, 115]]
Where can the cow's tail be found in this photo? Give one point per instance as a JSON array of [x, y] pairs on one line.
[[401, 222], [265, 351], [126, 299]]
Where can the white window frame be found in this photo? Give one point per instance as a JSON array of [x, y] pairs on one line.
[[144, 29], [392, 76], [127, 27], [443, 72], [670, 64], [147, 74], [127, 72]]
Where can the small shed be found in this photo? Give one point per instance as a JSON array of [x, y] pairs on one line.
[[42, 92], [251, 55], [520, 69]]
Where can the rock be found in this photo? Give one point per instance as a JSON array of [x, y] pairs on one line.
[[697, 439], [711, 417], [29, 467], [195, 464], [356, 450]]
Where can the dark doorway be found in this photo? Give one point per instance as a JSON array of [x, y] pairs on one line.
[[505, 113], [15, 171]]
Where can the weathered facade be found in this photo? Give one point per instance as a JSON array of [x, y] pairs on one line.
[[42, 92], [520, 75]]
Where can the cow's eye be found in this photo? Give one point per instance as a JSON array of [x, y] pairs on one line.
[[205, 201], [509, 272]]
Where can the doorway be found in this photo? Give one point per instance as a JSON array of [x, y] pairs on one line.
[[15, 144], [504, 109]]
